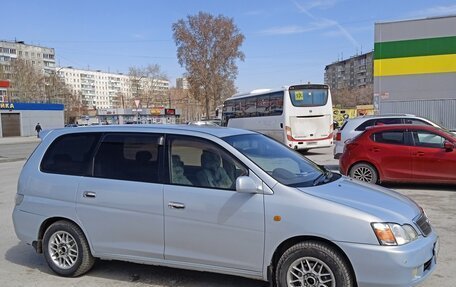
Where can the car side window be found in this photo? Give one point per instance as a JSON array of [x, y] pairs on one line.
[[378, 122], [364, 125], [70, 154], [128, 156], [428, 139], [197, 162], [390, 137], [416, 122]]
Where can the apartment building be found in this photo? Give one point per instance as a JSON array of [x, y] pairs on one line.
[[101, 90], [182, 83], [43, 58], [355, 72]]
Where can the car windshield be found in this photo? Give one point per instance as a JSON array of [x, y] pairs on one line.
[[283, 164]]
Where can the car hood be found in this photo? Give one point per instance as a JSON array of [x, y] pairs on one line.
[[385, 204]]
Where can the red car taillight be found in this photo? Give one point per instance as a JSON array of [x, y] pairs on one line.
[[338, 137], [289, 134]]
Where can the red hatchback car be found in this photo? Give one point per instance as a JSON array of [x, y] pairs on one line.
[[401, 153]]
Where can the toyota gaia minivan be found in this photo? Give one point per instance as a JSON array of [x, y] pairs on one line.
[[214, 199]]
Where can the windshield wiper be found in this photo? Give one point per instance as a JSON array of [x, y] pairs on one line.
[[323, 177]]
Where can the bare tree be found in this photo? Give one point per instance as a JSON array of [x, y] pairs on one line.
[[146, 84], [350, 97], [27, 82], [118, 100], [208, 48], [191, 110]]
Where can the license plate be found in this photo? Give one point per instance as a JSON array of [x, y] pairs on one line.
[[311, 143]]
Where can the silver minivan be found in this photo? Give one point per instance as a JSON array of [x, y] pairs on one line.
[[214, 199]]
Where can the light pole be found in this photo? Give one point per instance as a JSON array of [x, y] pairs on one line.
[[138, 98]]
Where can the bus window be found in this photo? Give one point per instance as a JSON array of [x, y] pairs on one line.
[[250, 107], [263, 105], [276, 104], [239, 108]]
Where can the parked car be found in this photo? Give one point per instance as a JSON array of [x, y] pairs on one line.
[[401, 153], [214, 199], [355, 126], [214, 122]]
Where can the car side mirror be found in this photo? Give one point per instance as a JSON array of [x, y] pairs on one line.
[[245, 184], [448, 146]]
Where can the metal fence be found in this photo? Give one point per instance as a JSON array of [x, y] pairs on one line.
[[440, 111]]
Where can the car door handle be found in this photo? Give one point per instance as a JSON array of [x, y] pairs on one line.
[[176, 205], [375, 149], [89, 194], [420, 153]]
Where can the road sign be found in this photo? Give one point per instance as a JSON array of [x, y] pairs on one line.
[[137, 103]]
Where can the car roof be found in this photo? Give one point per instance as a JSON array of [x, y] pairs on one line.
[[215, 130], [401, 127], [369, 117]]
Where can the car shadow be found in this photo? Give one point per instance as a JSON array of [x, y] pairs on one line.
[[25, 256]]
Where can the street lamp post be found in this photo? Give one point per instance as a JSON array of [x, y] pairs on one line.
[[138, 98]]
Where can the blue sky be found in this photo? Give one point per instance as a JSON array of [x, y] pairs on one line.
[[287, 42]]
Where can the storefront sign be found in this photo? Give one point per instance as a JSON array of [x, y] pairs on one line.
[[7, 106], [4, 84], [156, 111], [170, 112]]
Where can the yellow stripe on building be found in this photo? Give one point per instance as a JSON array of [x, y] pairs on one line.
[[415, 65]]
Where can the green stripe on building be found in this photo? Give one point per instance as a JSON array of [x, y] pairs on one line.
[[414, 48]]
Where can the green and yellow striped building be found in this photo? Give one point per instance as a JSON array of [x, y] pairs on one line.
[[415, 68]]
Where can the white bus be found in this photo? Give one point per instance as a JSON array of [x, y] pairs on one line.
[[299, 116]]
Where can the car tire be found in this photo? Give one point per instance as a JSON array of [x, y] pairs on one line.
[[66, 249], [313, 263], [364, 172]]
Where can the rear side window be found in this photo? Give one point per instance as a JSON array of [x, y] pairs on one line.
[[390, 137], [378, 122], [70, 154], [416, 122], [129, 156], [343, 126]]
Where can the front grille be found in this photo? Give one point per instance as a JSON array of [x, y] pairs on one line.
[[423, 224]]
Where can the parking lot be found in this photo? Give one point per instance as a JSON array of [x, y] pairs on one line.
[[21, 266]]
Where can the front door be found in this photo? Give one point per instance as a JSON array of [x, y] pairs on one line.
[[206, 221], [430, 161]]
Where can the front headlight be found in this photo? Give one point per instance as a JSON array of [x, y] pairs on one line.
[[394, 234]]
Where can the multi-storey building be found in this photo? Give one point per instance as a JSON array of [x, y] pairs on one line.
[[42, 58], [354, 72], [102, 89], [182, 83], [415, 68]]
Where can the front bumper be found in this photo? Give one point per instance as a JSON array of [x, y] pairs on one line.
[[393, 266]]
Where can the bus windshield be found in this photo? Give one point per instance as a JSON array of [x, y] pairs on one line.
[[309, 97]]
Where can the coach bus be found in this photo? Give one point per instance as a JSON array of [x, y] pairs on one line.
[[300, 116]]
